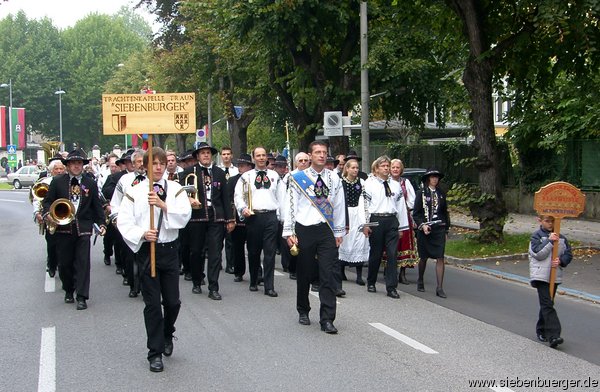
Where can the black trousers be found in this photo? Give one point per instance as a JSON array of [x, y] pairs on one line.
[[52, 258], [262, 237], [184, 248], [109, 240], [548, 323], [238, 238], [228, 250], [129, 272], [164, 288], [210, 234], [316, 241], [74, 263], [120, 249], [384, 237], [287, 260]]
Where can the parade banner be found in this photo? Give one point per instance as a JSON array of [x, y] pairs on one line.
[[148, 113], [3, 127], [18, 128]]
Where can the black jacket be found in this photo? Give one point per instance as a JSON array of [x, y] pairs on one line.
[[442, 210], [220, 199], [89, 210]]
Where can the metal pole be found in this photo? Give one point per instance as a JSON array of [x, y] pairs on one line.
[[364, 89], [62, 146], [10, 124]]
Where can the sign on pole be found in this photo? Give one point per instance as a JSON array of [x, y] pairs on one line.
[[333, 124], [559, 200], [11, 149], [148, 113]]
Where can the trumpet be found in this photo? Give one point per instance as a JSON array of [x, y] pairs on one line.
[[193, 192], [62, 212], [38, 191], [248, 193]]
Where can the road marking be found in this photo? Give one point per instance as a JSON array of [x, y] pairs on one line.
[[501, 389], [403, 338], [47, 374], [49, 284], [12, 201], [316, 294], [277, 273]]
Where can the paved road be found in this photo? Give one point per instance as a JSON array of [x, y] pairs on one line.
[[252, 342]]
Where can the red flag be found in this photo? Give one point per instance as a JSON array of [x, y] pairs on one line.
[[19, 132], [3, 127]]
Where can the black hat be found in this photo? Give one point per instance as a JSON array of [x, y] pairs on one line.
[[125, 157], [76, 155], [189, 154], [280, 161], [204, 146], [352, 155], [430, 172], [332, 159], [244, 158], [57, 157]]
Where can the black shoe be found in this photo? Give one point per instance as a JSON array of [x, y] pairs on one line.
[[271, 293], [119, 271], [238, 279], [253, 288], [292, 275], [285, 269], [52, 272], [541, 337], [420, 286], [328, 327], [340, 293], [187, 276], [203, 282], [125, 282], [371, 289], [197, 289], [315, 288], [69, 298], [440, 292], [156, 364], [106, 260], [344, 276], [168, 347], [214, 295], [303, 319], [556, 341], [360, 282], [402, 280], [81, 304], [229, 270], [181, 272], [393, 294], [133, 294], [261, 281]]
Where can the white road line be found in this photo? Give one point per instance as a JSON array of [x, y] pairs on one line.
[[277, 273], [12, 201], [47, 374], [403, 338], [501, 389], [49, 284], [317, 295]]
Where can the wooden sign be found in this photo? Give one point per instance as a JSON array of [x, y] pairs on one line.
[[124, 114], [559, 200]]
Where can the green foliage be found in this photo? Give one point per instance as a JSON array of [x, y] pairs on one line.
[[469, 246]]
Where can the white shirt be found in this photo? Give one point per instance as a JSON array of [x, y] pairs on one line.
[[124, 184], [379, 203], [233, 171], [262, 199], [410, 193], [177, 171], [134, 214], [305, 213]]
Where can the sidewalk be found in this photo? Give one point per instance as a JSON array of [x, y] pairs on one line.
[[580, 279]]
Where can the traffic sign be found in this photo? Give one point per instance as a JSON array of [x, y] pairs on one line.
[[332, 124], [11, 149], [12, 160]]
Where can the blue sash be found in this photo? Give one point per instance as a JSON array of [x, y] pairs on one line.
[[322, 204]]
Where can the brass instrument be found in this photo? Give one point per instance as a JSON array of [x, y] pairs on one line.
[[193, 193], [248, 192], [294, 250], [62, 212], [38, 191]]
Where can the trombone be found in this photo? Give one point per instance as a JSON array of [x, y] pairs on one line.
[[62, 212], [192, 188]]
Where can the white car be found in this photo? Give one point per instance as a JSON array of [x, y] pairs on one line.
[[25, 176]]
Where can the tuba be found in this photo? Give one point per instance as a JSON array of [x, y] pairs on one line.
[[192, 187], [62, 212]]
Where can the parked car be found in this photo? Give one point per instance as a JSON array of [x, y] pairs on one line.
[[25, 176], [414, 175]]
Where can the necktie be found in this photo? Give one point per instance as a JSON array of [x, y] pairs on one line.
[[227, 173], [321, 189], [207, 179], [388, 191], [160, 191], [139, 178], [75, 189], [171, 176], [262, 180]]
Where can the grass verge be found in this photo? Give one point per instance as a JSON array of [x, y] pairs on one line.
[[5, 186], [466, 247]]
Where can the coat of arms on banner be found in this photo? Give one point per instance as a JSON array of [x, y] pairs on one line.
[[182, 121]]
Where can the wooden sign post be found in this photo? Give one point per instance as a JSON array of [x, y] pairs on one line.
[[127, 114], [559, 200]]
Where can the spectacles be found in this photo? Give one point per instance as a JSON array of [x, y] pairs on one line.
[[302, 160]]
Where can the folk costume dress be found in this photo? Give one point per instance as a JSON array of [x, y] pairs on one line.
[[355, 247], [430, 206], [407, 244]]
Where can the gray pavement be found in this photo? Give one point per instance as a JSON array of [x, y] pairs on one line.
[[581, 278]]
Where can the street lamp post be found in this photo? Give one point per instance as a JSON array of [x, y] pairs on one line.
[[9, 85], [60, 92]]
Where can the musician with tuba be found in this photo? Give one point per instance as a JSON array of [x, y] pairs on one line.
[[72, 206], [38, 192]]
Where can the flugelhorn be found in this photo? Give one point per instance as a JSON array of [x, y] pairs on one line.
[[193, 192], [38, 191], [62, 212]]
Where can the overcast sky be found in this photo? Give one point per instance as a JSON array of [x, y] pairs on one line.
[[64, 13]]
